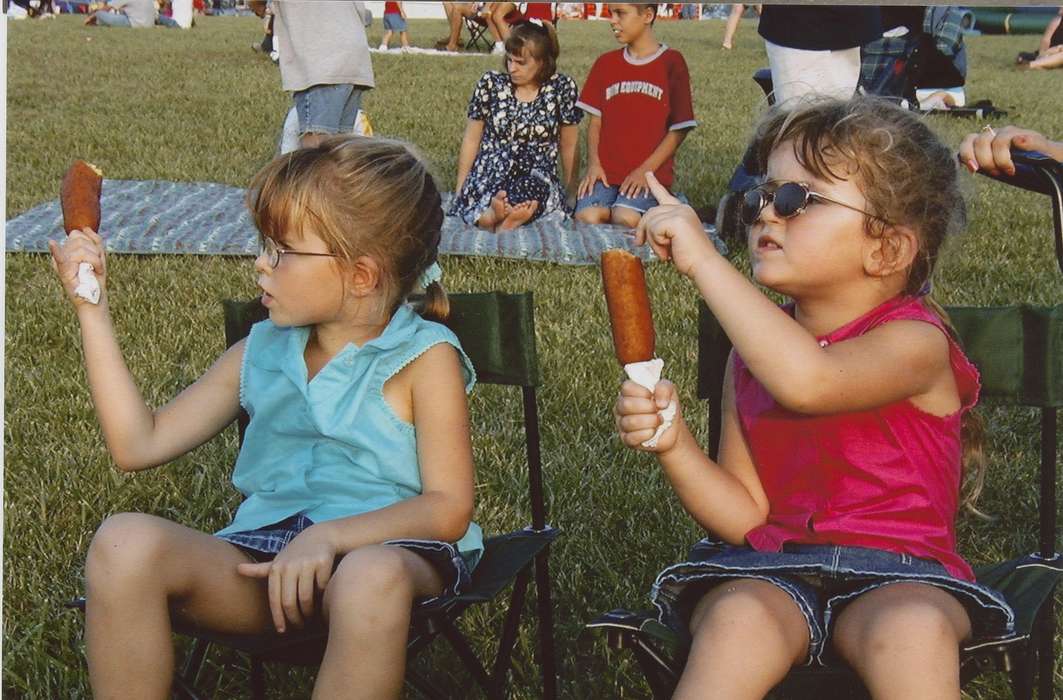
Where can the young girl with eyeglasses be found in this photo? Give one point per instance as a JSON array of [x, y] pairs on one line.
[[846, 424], [356, 466]]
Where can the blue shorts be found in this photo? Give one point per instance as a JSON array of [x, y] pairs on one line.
[[821, 579], [609, 197], [328, 109], [266, 542], [394, 23], [112, 19]]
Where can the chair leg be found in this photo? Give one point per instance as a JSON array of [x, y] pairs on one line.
[[468, 657], [662, 684], [1021, 674], [546, 625], [509, 630], [1046, 658], [258, 680]]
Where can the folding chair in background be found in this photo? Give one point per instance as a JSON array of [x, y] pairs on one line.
[[476, 26], [1019, 352], [497, 332]]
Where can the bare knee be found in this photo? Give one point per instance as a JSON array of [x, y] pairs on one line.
[[623, 216], [369, 584], [909, 618], [126, 546], [593, 215], [755, 610], [732, 603]]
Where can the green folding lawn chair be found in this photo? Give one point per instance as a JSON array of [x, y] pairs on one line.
[[497, 331], [1019, 352]]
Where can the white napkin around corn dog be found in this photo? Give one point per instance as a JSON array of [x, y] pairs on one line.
[[647, 374], [88, 286]]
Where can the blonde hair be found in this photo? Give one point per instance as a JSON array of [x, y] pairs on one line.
[[363, 196], [909, 178]]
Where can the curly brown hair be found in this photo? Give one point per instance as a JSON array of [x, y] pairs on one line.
[[909, 177]]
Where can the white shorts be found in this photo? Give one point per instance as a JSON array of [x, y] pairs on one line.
[[797, 73]]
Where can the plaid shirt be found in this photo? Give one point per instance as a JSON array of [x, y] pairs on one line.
[[883, 62]]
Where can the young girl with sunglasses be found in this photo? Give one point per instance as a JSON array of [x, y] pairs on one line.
[[356, 466], [831, 505]]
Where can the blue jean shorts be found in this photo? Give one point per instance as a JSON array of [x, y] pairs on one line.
[[265, 543], [112, 19], [821, 579], [328, 109], [609, 197], [394, 23]]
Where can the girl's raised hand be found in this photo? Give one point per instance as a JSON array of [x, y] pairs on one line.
[[637, 417], [296, 575], [81, 246], [673, 230]]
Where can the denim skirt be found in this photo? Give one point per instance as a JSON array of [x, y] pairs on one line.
[[821, 579], [266, 543], [394, 23]]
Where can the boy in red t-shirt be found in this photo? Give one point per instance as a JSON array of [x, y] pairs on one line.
[[641, 110]]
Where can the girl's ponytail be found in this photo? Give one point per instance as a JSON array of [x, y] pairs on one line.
[[434, 305]]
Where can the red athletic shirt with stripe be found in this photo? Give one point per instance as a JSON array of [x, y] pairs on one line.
[[639, 101], [392, 8]]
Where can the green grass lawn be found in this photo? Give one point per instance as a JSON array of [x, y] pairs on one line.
[[200, 106]]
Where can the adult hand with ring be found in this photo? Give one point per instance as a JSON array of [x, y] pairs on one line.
[[990, 149]]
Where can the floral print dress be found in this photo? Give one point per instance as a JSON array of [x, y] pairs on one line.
[[519, 147]]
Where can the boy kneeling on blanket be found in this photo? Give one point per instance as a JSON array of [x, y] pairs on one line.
[[641, 110]]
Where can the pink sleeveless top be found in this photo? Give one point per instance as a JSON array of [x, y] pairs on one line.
[[886, 478]]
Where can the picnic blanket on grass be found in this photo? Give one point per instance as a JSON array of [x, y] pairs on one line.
[[207, 218]]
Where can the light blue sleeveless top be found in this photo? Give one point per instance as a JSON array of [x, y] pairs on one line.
[[331, 447]]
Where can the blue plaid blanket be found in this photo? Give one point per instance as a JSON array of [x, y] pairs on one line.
[[206, 218]]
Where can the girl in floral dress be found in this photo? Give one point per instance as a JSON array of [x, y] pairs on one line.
[[519, 122]]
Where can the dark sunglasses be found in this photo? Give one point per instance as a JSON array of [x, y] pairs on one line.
[[789, 198]]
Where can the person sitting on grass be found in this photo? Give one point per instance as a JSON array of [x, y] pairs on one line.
[[395, 21], [519, 122], [847, 425], [356, 467], [641, 110], [124, 13], [1049, 52]]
